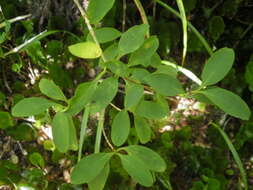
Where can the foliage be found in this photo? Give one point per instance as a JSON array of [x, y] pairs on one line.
[[106, 76]]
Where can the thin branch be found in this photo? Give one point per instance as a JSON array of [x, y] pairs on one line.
[[107, 141], [142, 13], [92, 32], [115, 107]]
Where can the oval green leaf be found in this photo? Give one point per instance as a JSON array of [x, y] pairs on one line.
[[97, 9], [132, 39], [60, 130], [120, 128], [98, 182], [104, 94], [151, 159], [118, 68], [164, 84], [144, 54], [137, 170], [82, 97], [86, 50], [50, 89], [229, 102], [134, 93], [217, 66], [143, 129], [151, 110], [37, 160], [31, 106], [105, 34], [89, 167]]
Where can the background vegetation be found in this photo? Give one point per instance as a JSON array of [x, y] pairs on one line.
[[35, 45]]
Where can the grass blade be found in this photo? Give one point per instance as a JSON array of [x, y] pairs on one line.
[[28, 42], [234, 153], [99, 131], [83, 130], [184, 24], [194, 30], [3, 24]]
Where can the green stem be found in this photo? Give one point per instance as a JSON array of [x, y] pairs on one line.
[[234, 153], [194, 30], [184, 24], [99, 131], [142, 13], [83, 130]]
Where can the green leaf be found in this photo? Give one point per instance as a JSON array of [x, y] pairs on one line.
[[151, 159], [89, 167], [86, 50], [139, 74], [97, 9], [227, 101], [105, 34], [5, 120], [217, 66], [134, 93], [104, 94], [249, 74], [31, 106], [60, 130], [132, 39], [143, 129], [155, 61], [137, 170], [98, 182], [50, 89], [110, 53], [22, 132], [144, 54], [118, 68], [164, 84], [216, 27], [151, 110], [49, 145], [82, 97], [36, 159], [120, 128]]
